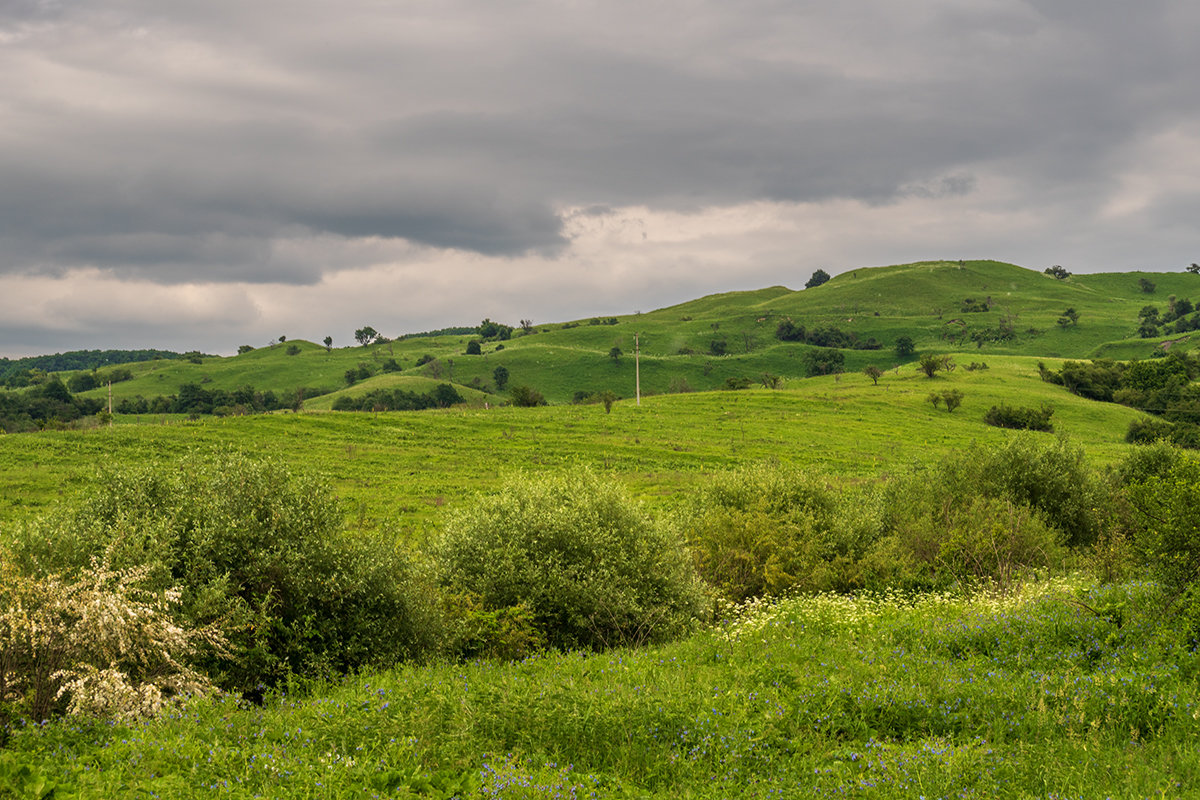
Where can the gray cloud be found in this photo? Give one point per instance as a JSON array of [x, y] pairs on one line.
[[193, 142]]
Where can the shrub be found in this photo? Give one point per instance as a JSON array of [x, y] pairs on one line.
[[590, 566], [931, 364], [1019, 417], [257, 551], [821, 361], [967, 542], [767, 529], [526, 397], [100, 644], [1167, 537]]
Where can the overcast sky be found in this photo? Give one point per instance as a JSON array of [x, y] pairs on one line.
[[199, 174]]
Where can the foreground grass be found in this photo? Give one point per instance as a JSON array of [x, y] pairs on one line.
[[1043, 694]]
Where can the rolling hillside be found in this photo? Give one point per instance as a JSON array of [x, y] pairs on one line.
[[680, 344]]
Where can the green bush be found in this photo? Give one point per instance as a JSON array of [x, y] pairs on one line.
[[257, 551], [1167, 536], [968, 542], [590, 566], [1020, 417], [1050, 477], [768, 529]]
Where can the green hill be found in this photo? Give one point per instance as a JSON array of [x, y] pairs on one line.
[[700, 344]]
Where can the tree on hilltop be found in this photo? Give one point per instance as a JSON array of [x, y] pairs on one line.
[[818, 277]]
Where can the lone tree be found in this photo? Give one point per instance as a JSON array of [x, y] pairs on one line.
[[500, 377], [1057, 272], [931, 364], [818, 277], [615, 354], [1194, 269], [527, 326], [905, 347], [328, 343], [873, 372], [1146, 285], [366, 335], [1069, 317], [473, 348]]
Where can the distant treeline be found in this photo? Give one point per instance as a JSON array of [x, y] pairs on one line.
[[49, 404], [196, 400], [443, 396], [1164, 387], [788, 331], [18, 372], [460, 331]]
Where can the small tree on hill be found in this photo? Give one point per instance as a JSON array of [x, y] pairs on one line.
[[929, 364], [905, 347], [1069, 317], [1146, 285], [366, 335], [818, 277], [873, 372], [328, 341], [473, 348], [500, 377], [526, 397], [1194, 269], [615, 354], [1057, 272]]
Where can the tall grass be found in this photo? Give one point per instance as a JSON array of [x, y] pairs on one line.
[[1033, 694]]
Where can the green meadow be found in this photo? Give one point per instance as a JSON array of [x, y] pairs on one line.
[[406, 466], [951, 609]]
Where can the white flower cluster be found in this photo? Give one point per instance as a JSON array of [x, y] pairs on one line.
[[101, 643]]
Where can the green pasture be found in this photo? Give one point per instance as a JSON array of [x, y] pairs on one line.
[[405, 467]]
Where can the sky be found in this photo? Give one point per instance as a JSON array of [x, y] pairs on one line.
[[200, 174]]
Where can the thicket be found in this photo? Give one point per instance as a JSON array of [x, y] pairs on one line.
[[1020, 417], [48, 404], [248, 561], [829, 336], [194, 399], [443, 395], [1164, 387]]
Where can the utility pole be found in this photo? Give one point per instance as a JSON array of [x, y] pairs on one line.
[[637, 369]]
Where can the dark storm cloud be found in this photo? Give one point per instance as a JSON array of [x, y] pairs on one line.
[[175, 142]]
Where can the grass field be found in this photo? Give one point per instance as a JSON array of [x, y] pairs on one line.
[[404, 467], [875, 697]]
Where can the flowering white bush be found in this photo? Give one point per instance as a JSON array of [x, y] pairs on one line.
[[99, 645]]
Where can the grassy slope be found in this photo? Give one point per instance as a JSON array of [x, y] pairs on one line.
[[921, 300], [408, 465]]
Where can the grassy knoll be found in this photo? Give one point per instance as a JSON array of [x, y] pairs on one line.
[[405, 466], [701, 343], [881, 696]]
